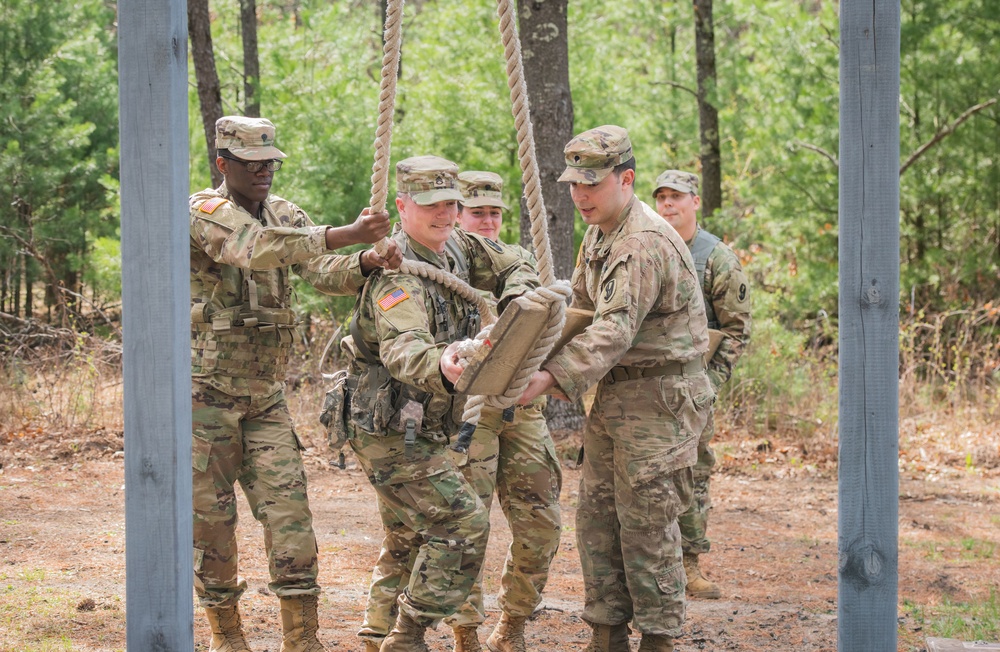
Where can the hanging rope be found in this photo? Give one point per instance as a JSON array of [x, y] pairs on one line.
[[552, 293], [380, 169]]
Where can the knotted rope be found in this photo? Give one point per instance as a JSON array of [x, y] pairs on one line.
[[552, 292]]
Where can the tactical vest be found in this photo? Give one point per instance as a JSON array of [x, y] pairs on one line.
[[701, 248], [246, 340], [376, 398]]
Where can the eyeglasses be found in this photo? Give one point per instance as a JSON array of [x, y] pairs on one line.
[[253, 167]]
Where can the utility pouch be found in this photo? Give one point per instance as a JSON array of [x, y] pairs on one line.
[[334, 410], [371, 405]]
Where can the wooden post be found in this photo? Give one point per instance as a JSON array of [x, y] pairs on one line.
[[153, 128], [869, 325]]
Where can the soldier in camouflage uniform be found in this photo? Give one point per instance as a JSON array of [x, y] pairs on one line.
[[727, 303], [244, 242], [403, 407], [645, 351], [511, 453]]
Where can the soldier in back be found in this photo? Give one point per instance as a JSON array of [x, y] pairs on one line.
[[244, 244], [726, 292]]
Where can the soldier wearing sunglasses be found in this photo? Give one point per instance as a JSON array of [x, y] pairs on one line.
[[245, 242]]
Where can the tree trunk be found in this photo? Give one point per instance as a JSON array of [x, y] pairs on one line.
[[708, 114], [209, 90], [251, 63], [545, 50], [28, 282], [20, 260]]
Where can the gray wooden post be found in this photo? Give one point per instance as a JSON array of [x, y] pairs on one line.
[[153, 130], [869, 325]]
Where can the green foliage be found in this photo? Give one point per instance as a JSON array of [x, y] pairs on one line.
[[631, 63], [59, 135], [104, 274], [782, 371]]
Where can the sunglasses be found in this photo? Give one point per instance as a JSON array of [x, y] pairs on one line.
[[255, 166]]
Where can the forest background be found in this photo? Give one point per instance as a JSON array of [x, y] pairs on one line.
[[771, 166]]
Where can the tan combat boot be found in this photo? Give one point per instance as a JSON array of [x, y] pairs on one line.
[[299, 623], [609, 638], [407, 635], [227, 630], [697, 585], [656, 643], [508, 635], [467, 639], [373, 644]]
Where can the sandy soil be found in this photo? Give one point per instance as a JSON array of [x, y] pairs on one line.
[[774, 526]]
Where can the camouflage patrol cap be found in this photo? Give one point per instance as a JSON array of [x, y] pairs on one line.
[[251, 139], [481, 189], [428, 179], [592, 155], [677, 180]]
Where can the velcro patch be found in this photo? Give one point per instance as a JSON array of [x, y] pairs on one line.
[[396, 296], [210, 206]]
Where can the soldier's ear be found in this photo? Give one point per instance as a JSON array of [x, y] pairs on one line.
[[220, 162]]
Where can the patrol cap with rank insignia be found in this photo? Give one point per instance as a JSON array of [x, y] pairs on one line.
[[428, 179], [251, 139], [592, 155], [481, 189]]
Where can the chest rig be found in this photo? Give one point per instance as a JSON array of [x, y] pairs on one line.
[[377, 401], [242, 339]]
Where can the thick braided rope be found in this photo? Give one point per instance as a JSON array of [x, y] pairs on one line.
[[525, 141], [558, 292], [386, 104], [551, 290], [380, 169]]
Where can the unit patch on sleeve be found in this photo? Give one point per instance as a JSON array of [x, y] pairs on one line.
[[213, 203], [396, 296]]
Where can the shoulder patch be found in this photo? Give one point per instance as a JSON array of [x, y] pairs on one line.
[[609, 290], [212, 204], [614, 294], [395, 297]]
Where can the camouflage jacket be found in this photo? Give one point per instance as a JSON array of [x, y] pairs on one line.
[[727, 301], [232, 253], [640, 281], [406, 321]]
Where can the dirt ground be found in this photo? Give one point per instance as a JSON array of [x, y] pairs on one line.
[[774, 527]]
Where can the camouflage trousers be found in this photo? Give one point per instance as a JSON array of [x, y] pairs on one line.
[[694, 522], [640, 443], [518, 461], [251, 441], [434, 524]]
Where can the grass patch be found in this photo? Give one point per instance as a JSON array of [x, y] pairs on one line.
[[972, 621], [39, 618], [973, 548]]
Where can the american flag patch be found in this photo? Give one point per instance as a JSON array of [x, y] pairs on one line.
[[391, 299], [210, 206]]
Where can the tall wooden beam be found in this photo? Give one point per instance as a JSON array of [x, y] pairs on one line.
[[869, 325], [153, 128]]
